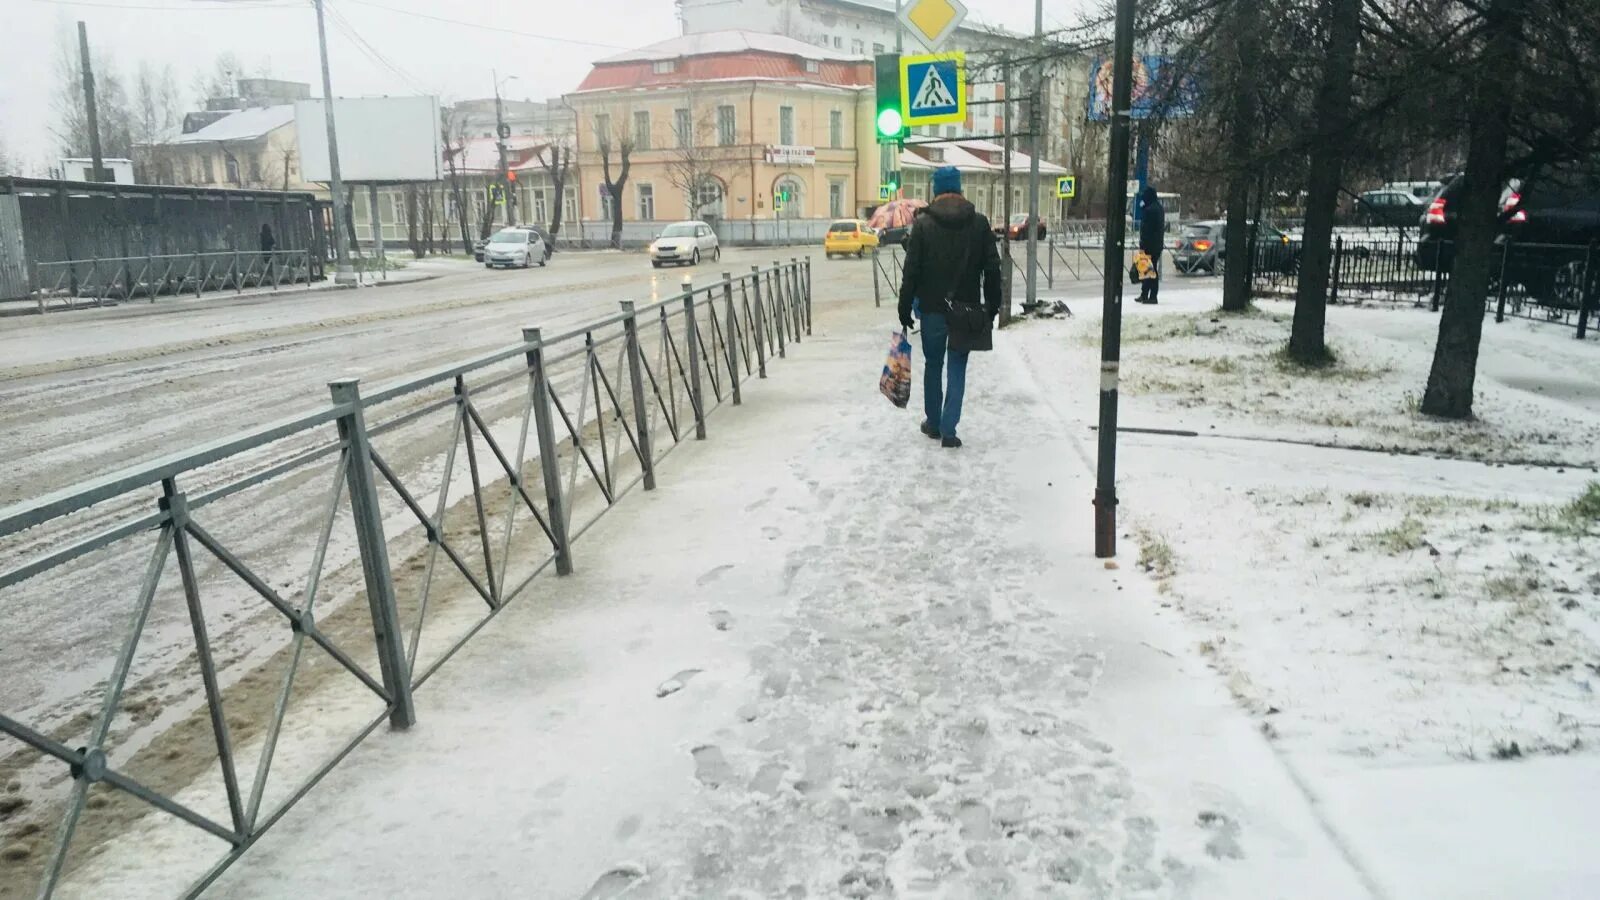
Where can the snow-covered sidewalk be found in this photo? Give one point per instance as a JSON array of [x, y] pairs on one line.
[[824, 658]]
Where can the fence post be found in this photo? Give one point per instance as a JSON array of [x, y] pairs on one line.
[[150, 274], [877, 297], [730, 336], [641, 413], [1338, 267], [1586, 296], [199, 276], [1500, 301], [1050, 262], [549, 465], [807, 273], [760, 323], [374, 552], [691, 334], [780, 311], [1438, 276]]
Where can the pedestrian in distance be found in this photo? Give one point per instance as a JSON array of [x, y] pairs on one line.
[[268, 244], [1152, 241], [950, 250]]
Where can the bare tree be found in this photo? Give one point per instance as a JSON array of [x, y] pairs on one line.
[[556, 159], [453, 131], [607, 141], [695, 159], [71, 126], [221, 80], [157, 117]]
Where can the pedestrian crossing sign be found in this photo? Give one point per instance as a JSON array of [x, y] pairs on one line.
[[933, 88], [1066, 186]]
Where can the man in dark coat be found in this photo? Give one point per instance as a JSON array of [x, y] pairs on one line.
[[951, 247], [1152, 240]]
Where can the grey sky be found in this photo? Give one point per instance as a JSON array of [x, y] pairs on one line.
[[279, 36]]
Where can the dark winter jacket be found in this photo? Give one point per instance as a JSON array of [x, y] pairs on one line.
[[268, 242], [1153, 224], [949, 225]]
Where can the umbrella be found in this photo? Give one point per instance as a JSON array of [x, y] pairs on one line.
[[896, 214]]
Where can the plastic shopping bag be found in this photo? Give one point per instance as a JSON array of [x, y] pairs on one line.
[[1144, 266], [895, 382]]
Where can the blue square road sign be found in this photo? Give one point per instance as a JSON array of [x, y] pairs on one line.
[[933, 89]]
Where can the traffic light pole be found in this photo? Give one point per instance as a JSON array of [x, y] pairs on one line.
[[500, 143], [343, 272], [1105, 491], [1005, 215]]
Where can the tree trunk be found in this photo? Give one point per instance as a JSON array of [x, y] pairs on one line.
[[616, 215], [350, 222], [413, 211], [1307, 340], [1455, 356], [1236, 278]]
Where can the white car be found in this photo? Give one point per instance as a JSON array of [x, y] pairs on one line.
[[514, 247], [685, 242]]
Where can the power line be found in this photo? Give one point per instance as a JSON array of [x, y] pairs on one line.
[[499, 29], [350, 31], [188, 7]]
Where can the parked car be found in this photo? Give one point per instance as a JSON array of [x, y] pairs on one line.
[[847, 237], [685, 243], [1389, 208], [1549, 224], [1017, 228], [515, 247], [1422, 190], [1203, 247], [549, 242], [477, 249]]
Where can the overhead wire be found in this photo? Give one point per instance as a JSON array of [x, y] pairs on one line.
[[353, 33], [498, 29]]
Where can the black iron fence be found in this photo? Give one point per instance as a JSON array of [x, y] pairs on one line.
[[70, 284], [173, 621], [1542, 282]]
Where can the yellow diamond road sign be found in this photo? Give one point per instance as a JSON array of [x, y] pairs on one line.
[[932, 21]]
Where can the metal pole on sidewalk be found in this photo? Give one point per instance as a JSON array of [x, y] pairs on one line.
[[641, 413], [343, 272], [90, 108], [1035, 99], [1005, 215], [1105, 491], [691, 335]]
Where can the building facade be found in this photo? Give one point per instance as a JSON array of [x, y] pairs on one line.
[[756, 132]]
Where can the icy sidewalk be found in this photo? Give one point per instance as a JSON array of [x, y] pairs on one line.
[[825, 658]]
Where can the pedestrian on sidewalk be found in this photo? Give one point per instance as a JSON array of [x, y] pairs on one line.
[[1152, 242], [269, 243], [950, 248]]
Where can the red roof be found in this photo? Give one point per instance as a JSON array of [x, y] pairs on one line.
[[746, 64]]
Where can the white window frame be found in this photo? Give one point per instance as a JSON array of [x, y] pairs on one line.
[[647, 201]]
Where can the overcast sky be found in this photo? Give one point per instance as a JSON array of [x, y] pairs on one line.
[[547, 44]]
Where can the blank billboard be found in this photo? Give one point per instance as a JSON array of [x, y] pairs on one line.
[[380, 138]]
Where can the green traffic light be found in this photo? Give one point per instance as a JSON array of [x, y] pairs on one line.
[[889, 122]]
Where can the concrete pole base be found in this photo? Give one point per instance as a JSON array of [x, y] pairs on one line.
[[345, 275]]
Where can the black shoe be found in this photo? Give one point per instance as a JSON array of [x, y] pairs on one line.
[[929, 430], [951, 442]]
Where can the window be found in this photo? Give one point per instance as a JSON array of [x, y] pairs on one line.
[[232, 166], [665, 66], [569, 205], [950, 131], [727, 126], [641, 131], [788, 199], [786, 125], [255, 168], [647, 202], [541, 212], [683, 128], [836, 199], [877, 49], [602, 130], [858, 47], [605, 203], [210, 173], [708, 201], [838, 42], [835, 129], [936, 154]]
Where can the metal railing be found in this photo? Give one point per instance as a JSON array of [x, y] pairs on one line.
[[71, 283], [554, 430], [1558, 283], [1078, 256]]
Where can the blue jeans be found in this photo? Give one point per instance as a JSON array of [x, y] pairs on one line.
[[941, 402]]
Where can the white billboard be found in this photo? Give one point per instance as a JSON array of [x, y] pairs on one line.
[[380, 139]]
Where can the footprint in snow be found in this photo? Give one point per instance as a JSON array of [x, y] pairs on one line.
[[721, 619], [712, 575], [614, 883], [676, 683], [710, 766], [1224, 841]]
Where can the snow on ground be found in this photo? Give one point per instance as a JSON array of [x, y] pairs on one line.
[[877, 668], [1405, 607]]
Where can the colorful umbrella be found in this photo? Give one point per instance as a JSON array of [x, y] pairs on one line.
[[896, 214]]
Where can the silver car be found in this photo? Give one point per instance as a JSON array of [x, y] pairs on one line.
[[514, 247], [685, 242]]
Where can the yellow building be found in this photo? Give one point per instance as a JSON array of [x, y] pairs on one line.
[[766, 136]]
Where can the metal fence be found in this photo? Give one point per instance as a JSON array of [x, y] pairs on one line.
[[326, 564], [1064, 258], [73, 283], [1557, 283]]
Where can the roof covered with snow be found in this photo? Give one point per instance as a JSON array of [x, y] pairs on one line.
[[713, 42], [244, 125]]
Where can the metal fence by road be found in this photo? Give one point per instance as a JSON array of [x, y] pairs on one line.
[[93, 282], [1060, 258], [444, 495], [1556, 283]]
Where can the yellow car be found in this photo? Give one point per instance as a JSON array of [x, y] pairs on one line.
[[849, 236]]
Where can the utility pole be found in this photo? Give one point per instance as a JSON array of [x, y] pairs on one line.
[[344, 273], [1105, 490], [89, 105], [1005, 174], [1034, 102], [500, 132]]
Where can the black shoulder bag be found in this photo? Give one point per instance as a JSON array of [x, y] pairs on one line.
[[970, 328]]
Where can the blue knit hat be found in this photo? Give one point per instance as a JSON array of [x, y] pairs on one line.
[[946, 180]]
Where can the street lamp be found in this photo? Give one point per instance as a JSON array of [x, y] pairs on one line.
[[501, 132]]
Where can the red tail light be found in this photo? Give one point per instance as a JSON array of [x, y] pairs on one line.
[[1514, 200], [1202, 246], [1436, 211]]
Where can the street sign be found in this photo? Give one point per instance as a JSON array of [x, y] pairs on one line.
[[933, 89], [1066, 186], [885, 192], [932, 22]]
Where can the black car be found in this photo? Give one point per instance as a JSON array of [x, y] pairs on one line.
[[1549, 224], [1388, 209], [895, 235], [1203, 247]]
